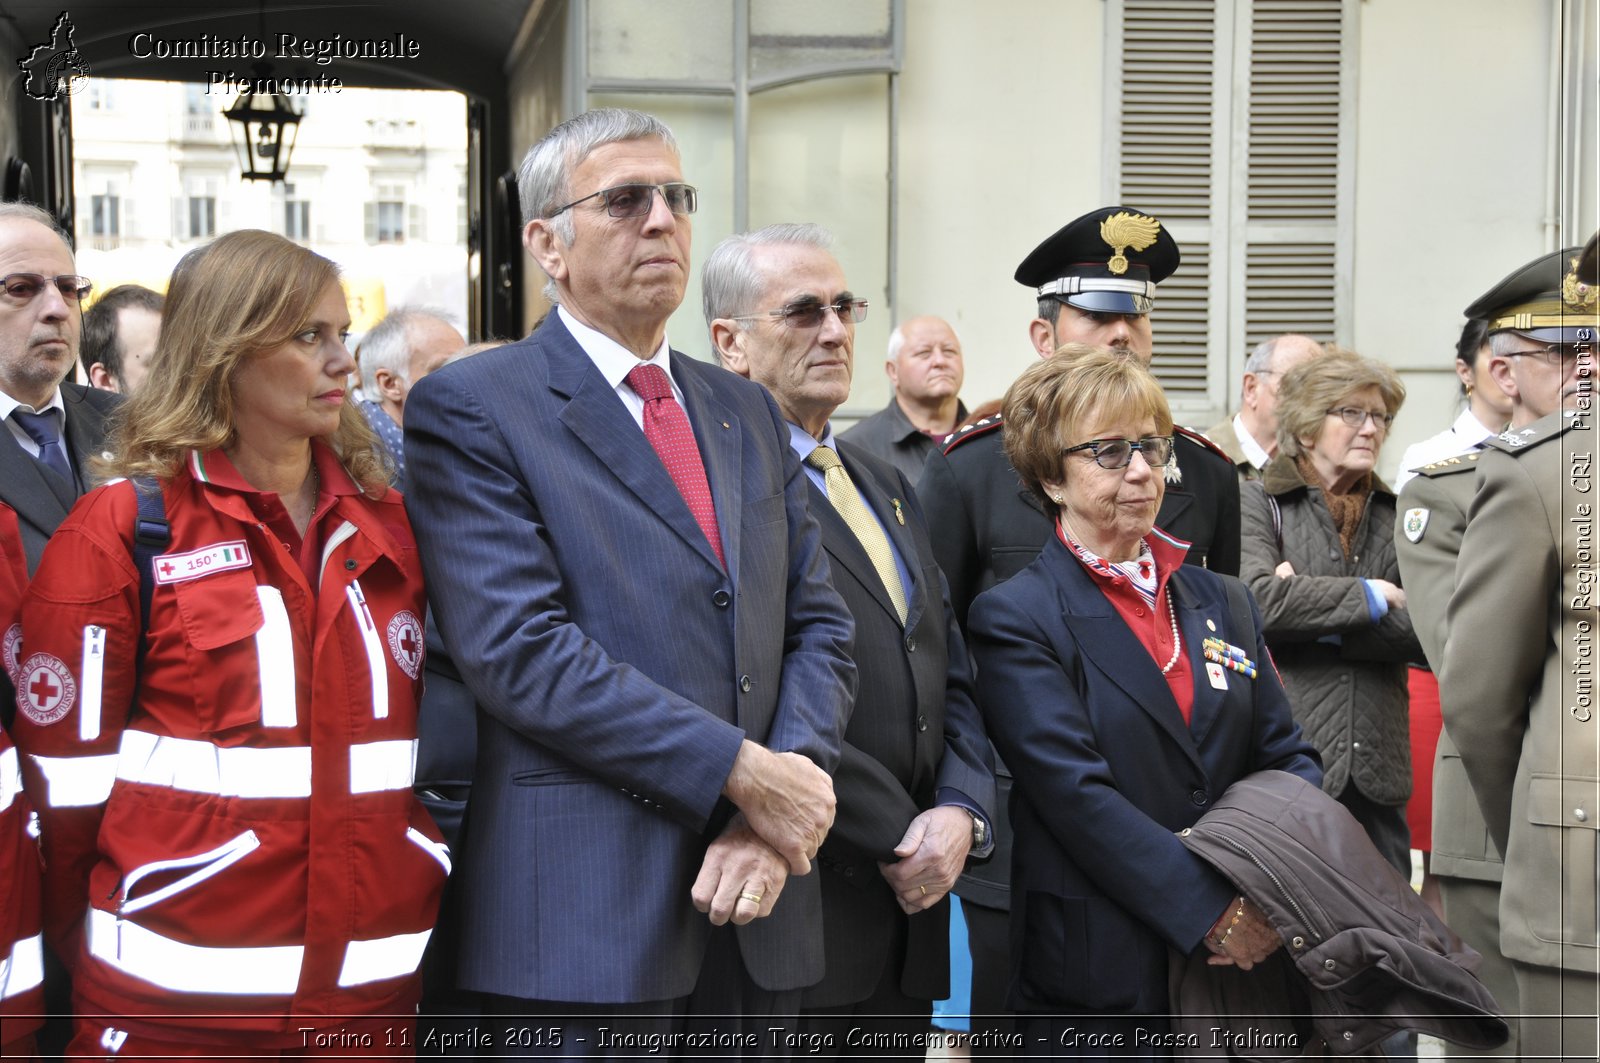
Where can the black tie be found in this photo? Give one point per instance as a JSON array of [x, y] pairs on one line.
[[41, 428]]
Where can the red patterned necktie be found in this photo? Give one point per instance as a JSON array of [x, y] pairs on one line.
[[667, 429]]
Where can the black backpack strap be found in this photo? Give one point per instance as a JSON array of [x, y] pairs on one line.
[[151, 534]]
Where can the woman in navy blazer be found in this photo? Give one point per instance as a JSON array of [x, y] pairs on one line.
[[1126, 694]]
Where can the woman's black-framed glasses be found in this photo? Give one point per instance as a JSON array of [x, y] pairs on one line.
[[1116, 453], [1355, 417], [633, 201]]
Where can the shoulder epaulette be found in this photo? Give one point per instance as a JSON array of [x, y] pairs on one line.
[[981, 427], [1517, 440], [1197, 437], [1446, 466]]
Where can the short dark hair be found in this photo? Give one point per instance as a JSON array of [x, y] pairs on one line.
[[100, 342]]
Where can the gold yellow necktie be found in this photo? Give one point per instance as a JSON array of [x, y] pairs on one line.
[[853, 508]]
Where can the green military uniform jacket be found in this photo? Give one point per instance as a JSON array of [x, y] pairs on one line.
[[1518, 689], [1432, 515]]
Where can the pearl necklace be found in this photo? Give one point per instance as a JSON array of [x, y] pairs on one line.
[[1177, 640]]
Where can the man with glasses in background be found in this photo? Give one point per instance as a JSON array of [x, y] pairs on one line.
[[53, 427], [1518, 689], [916, 782], [1095, 282], [620, 555], [1250, 437]]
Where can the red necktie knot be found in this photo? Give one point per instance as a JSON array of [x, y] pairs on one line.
[[649, 382]]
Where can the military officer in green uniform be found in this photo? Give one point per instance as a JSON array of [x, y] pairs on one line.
[[1517, 686], [1095, 282]]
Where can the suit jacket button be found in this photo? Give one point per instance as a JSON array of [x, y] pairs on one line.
[[1198, 797], [745, 683], [911, 644], [721, 598], [922, 723]]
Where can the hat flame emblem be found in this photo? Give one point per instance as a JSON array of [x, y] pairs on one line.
[[1123, 230], [1578, 296]]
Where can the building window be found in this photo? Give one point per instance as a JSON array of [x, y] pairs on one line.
[[105, 215], [391, 218], [202, 217], [296, 215]]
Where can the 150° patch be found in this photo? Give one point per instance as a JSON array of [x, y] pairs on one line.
[[176, 568]]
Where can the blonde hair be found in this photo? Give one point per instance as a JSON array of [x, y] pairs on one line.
[[1051, 404], [242, 294], [1309, 390]]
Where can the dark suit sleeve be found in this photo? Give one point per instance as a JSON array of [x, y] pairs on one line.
[[1038, 720], [1225, 546], [499, 596], [1508, 573], [950, 529]]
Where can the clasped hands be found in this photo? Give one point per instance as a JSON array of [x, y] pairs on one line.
[[785, 807]]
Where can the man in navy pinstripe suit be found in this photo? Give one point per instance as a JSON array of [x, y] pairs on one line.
[[662, 669]]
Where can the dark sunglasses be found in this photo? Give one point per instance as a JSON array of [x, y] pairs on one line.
[[1117, 453], [633, 201], [810, 315], [25, 287]]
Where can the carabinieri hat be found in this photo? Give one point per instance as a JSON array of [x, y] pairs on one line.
[[1109, 261], [1544, 300]]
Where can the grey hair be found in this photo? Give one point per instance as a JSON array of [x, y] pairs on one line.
[[30, 212], [1050, 309], [1261, 357], [1503, 344], [730, 282], [388, 345], [543, 176]]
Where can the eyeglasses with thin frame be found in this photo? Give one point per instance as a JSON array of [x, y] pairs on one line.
[[24, 288], [810, 315], [1117, 453], [635, 200], [1556, 356], [1355, 417]]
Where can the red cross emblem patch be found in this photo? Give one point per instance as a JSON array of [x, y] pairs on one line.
[[10, 646], [405, 642], [47, 690]]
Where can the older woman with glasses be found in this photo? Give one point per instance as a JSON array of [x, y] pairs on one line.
[[1318, 551], [1126, 692]]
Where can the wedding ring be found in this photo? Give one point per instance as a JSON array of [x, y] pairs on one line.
[[924, 890], [753, 898]]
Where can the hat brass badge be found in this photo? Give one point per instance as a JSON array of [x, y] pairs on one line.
[[1123, 230], [1577, 295]]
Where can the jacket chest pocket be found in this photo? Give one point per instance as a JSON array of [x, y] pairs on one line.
[[241, 651]]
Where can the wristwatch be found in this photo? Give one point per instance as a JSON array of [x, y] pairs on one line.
[[980, 830]]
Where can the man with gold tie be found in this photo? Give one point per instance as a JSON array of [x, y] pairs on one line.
[[915, 785]]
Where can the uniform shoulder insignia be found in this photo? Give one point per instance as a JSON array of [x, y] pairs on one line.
[[1445, 466], [1517, 440], [968, 432], [1191, 434]]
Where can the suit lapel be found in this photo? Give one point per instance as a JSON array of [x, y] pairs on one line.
[[882, 503], [845, 550], [1192, 623], [39, 497], [595, 415], [1111, 648], [86, 427], [719, 435]]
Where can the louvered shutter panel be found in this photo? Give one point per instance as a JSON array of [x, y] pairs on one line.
[[1291, 200], [1169, 79]]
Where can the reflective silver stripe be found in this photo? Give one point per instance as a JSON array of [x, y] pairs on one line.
[[200, 767], [275, 660], [387, 765], [10, 777], [219, 859], [161, 961], [377, 663], [77, 782], [438, 850], [24, 968], [340, 534], [380, 958], [90, 677]]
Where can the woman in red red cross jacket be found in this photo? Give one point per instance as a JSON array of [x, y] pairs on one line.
[[21, 948], [234, 858]]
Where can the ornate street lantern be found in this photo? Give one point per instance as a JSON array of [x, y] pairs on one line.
[[263, 127]]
